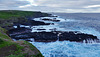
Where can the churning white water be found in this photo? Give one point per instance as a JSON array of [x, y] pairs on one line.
[[67, 48]]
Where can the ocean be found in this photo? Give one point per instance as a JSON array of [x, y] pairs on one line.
[[88, 23]]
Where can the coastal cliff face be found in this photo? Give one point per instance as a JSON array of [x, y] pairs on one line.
[[10, 48]]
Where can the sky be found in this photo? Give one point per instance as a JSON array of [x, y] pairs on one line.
[[63, 6]]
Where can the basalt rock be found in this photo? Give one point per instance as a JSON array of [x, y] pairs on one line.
[[71, 36], [61, 36], [37, 23], [54, 20], [45, 36], [19, 30], [32, 23], [23, 36], [54, 36], [41, 29]]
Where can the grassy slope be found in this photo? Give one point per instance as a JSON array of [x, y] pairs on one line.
[[15, 13], [10, 48]]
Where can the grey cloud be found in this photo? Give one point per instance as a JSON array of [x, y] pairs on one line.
[[53, 5], [69, 3], [12, 3]]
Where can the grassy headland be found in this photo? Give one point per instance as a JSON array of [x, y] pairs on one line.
[[10, 48], [9, 14]]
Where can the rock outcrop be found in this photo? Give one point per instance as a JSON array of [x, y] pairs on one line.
[[50, 36]]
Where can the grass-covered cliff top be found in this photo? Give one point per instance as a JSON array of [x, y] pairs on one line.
[[8, 14]]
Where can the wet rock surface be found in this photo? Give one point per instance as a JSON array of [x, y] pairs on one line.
[[41, 29], [51, 36], [71, 36], [42, 35], [37, 23], [20, 30], [54, 20]]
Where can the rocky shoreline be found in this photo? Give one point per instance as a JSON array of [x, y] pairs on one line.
[[52, 36], [23, 33], [9, 47], [37, 27]]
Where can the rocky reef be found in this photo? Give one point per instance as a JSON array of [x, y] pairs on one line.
[[51, 36], [41, 35]]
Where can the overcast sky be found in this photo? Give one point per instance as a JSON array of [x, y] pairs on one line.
[[67, 6]]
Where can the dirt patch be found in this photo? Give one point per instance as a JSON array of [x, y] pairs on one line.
[[27, 49]]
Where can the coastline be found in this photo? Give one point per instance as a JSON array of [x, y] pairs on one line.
[[16, 48], [41, 29]]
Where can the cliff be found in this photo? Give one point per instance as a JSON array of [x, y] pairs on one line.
[[10, 48]]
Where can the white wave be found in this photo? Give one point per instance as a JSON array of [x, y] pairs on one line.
[[47, 28], [57, 18], [24, 26], [15, 26]]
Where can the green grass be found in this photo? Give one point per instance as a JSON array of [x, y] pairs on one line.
[[1, 41], [17, 52], [3, 30], [8, 17], [10, 14], [4, 36], [19, 49], [7, 14], [5, 43]]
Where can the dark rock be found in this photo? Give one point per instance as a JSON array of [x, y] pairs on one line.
[[37, 23], [50, 36], [54, 20], [61, 36], [21, 30], [23, 36], [41, 29], [45, 36], [76, 37]]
